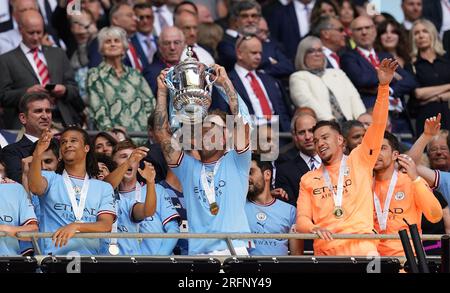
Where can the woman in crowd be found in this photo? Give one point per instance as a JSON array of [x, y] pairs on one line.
[[104, 143], [118, 94], [323, 8], [431, 67], [347, 13], [329, 92], [392, 39]]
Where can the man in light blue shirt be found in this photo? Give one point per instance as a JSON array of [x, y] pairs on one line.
[[214, 187], [266, 214], [16, 215], [71, 200]]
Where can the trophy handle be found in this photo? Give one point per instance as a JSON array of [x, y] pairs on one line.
[[169, 83], [209, 71]]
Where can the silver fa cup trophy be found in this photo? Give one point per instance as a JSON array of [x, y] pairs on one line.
[[191, 86]]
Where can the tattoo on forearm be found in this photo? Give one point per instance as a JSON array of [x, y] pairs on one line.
[[167, 150], [232, 97]]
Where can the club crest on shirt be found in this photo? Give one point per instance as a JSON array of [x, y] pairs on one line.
[[261, 216], [399, 195]]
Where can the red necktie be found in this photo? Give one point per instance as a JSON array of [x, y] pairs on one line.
[[337, 58], [373, 60], [41, 67], [136, 61], [259, 93]]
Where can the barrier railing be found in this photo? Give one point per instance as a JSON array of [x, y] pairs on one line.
[[228, 237]]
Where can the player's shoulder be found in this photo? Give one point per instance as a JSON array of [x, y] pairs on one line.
[[311, 176]]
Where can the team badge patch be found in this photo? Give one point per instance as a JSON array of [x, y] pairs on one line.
[[261, 216], [399, 195]]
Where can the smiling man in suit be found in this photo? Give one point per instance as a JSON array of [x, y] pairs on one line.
[[30, 68], [263, 95]]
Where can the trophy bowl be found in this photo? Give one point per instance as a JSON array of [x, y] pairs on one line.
[[191, 86]]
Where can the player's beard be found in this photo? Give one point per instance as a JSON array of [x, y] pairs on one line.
[[254, 190]]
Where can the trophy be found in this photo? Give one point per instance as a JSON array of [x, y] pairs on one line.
[[191, 86]]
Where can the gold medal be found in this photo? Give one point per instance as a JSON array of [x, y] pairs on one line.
[[214, 208], [338, 212]]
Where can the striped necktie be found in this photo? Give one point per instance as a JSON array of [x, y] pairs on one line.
[[41, 67]]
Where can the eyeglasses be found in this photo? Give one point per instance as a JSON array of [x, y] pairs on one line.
[[313, 50], [339, 29], [436, 149], [244, 38]]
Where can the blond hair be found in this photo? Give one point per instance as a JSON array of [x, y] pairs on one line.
[[436, 44]]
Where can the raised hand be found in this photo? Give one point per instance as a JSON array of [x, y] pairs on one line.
[[407, 165], [162, 86], [137, 155], [221, 74], [432, 126], [43, 142], [148, 173], [279, 193], [386, 71]]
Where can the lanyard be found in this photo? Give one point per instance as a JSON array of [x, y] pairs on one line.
[[209, 187], [77, 208], [337, 196], [382, 215]]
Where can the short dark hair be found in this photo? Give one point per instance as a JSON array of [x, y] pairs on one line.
[[29, 98], [393, 141], [107, 136], [263, 165], [107, 160], [116, 8], [347, 125], [123, 145], [142, 5], [177, 7], [240, 6], [91, 162], [330, 123], [53, 146]]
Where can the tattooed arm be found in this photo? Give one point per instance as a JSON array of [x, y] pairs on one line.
[[170, 147], [241, 130]]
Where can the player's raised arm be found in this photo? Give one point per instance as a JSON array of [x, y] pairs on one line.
[[371, 144], [36, 182], [169, 146]]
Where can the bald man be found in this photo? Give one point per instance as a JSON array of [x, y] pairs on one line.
[[34, 68], [187, 22], [12, 38], [360, 66], [171, 44], [263, 94]]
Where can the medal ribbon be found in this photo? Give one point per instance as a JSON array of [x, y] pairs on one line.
[[337, 196], [77, 208], [382, 215], [208, 187]]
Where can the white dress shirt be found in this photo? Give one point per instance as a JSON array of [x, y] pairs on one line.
[[303, 17], [330, 59], [242, 73], [445, 17], [307, 159], [3, 141], [30, 58], [407, 25], [232, 33], [166, 14], [9, 40], [32, 138], [202, 54], [149, 52], [4, 11]]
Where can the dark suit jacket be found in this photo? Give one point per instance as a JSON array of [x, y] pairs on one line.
[[432, 10], [17, 75], [288, 177], [13, 154], [364, 76], [283, 68], [275, 94], [284, 28], [153, 71]]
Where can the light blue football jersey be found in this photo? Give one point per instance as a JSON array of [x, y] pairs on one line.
[[275, 217]]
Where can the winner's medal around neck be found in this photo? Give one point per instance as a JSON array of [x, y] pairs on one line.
[[78, 209], [338, 210], [209, 188]]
